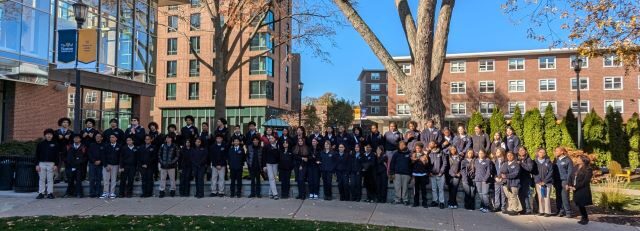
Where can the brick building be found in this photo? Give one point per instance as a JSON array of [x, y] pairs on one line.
[[263, 88], [485, 81]]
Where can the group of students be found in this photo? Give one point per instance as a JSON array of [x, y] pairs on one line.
[[499, 172]]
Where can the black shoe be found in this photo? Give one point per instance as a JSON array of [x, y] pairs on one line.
[[239, 196], [80, 196], [561, 214], [425, 205], [252, 195], [213, 195], [505, 212], [50, 196], [433, 204], [161, 194], [583, 221], [327, 198], [441, 205], [172, 193], [40, 196], [547, 215], [258, 196]]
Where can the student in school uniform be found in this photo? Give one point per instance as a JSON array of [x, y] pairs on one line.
[[327, 162], [96, 156], [412, 135], [199, 159], [300, 133], [420, 172], [330, 135], [499, 197], [285, 137], [237, 133], [114, 130], [314, 168], [512, 141], [375, 138], [47, 157], [111, 168], [285, 166], [481, 179], [400, 169], [382, 179], [172, 130], [251, 134], [344, 138], [63, 134], [438, 168], [510, 172], [236, 163], [271, 161], [497, 143], [562, 173], [355, 174], [467, 170], [480, 140], [135, 131], [342, 170], [268, 134], [315, 135], [89, 132], [447, 141], [168, 156], [76, 159], [205, 135], [358, 137], [391, 139], [527, 167], [543, 179], [301, 164], [128, 165], [221, 129], [431, 133], [185, 168], [255, 164], [219, 155], [148, 154], [580, 185], [189, 131], [453, 176], [462, 141], [368, 164]]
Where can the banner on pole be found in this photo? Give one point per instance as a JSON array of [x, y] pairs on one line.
[[66, 47], [87, 45]]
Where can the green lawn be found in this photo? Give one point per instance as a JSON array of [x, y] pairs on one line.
[[148, 223]]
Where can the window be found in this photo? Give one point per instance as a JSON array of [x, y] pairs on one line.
[[542, 105], [584, 106], [194, 68], [613, 83], [458, 108], [375, 98], [286, 73], [261, 89], [195, 3], [520, 104], [399, 90], [91, 97], [194, 44], [195, 21], [91, 114], [585, 61], [458, 66], [172, 68], [261, 41], [406, 68], [172, 23], [486, 65], [286, 96], [547, 62], [516, 64], [213, 90], [107, 96], [171, 91], [194, 91], [611, 60], [458, 88], [374, 110], [70, 112], [547, 85], [617, 104], [172, 46], [269, 20], [261, 65], [488, 86], [174, 7], [584, 84], [403, 109], [516, 85], [375, 76], [487, 107], [71, 99], [375, 87]]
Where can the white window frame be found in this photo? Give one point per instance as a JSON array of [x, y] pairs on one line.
[[375, 76], [613, 101], [555, 85], [374, 110], [585, 61], [375, 97], [522, 104], [604, 82], [487, 82], [399, 90], [375, 89], [458, 66], [485, 63], [615, 61], [459, 107], [107, 97], [547, 64], [70, 112], [575, 109], [581, 79], [524, 86], [516, 59], [406, 68], [457, 83], [91, 114], [542, 105], [406, 110], [71, 99], [91, 97], [487, 107]]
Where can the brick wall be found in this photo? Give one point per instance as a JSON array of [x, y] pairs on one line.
[[35, 108]]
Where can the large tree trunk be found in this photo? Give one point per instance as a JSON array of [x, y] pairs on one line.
[[221, 97]]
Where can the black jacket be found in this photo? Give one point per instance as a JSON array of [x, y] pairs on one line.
[[512, 172], [236, 158], [581, 179], [345, 139], [468, 170], [317, 137], [48, 151], [438, 162], [375, 140], [199, 156], [455, 166], [148, 155], [138, 136], [116, 132], [112, 154], [544, 173], [462, 144], [381, 166], [527, 169], [87, 140], [254, 157], [76, 158], [483, 170], [512, 143], [481, 142], [129, 157], [185, 157], [328, 161], [391, 140], [368, 162], [168, 156], [400, 163], [343, 162], [218, 154], [97, 152], [271, 155], [239, 136], [286, 160], [357, 159], [433, 134]]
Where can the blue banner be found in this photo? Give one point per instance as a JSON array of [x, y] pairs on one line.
[[66, 46]]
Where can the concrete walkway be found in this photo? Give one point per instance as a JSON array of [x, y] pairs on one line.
[[352, 212]]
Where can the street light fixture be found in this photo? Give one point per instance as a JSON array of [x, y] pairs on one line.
[[80, 12], [300, 86], [577, 67]]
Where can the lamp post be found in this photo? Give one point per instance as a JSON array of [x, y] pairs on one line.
[[80, 12], [300, 86], [577, 67], [360, 119]]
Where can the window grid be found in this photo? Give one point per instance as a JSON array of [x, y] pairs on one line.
[[542, 105], [584, 106], [487, 107], [547, 62], [617, 104], [613, 83], [486, 65], [458, 66], [487, 86], [584, 84], [516, 64], [547, 85], [403, 109], [521, 105], [458, 108], [458, 88], [516, 85]]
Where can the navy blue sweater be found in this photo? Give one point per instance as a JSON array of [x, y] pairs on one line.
[[48, 151], [483, 170], [218, 154], [112, 155], [512, 172], [544, 173], [400, 163], [462, 144], [438, 162], [328, 161], [236, 158], [565, 168], [455, 166], [391, 140], [343, 162]]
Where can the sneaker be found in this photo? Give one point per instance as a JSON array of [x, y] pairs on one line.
[[40, 196], [112, 196], [276, 197], [50, 196], [104, 195], [583, 221], [455, 207]]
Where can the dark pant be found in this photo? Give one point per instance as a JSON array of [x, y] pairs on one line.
[[355, 183], [327, 183], [562, 198], [185, 181], [420, 189], [147, 180], [343, 185], [314, 180], [301, 179], [236, 182], [524, 194], [126, 180], [469, 195], [95, 180], [499, 198], [583, 212], [74, 182], [254, 174], [453, 183], [382, 185], [198, 173], [285, 181], [370, 185]]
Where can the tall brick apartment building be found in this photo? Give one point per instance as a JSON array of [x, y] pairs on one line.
[[263, 88], [485, 81]]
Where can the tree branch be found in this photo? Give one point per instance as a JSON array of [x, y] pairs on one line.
[[440, 41], [408, 24]]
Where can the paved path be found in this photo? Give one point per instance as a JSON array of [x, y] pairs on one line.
[[352, 212]]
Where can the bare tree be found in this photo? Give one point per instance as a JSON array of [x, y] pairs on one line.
[[427, 43]]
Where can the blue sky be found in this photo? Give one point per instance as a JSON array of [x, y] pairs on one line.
[[477, 25]]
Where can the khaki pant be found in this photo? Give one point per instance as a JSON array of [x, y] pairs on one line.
[[109, 178], [544, 202], [272, 172], [513, 202], [217, 179], [45, 178], [163, 179], [401, 186]]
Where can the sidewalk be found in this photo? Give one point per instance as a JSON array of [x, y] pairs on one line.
[[352, 212]]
